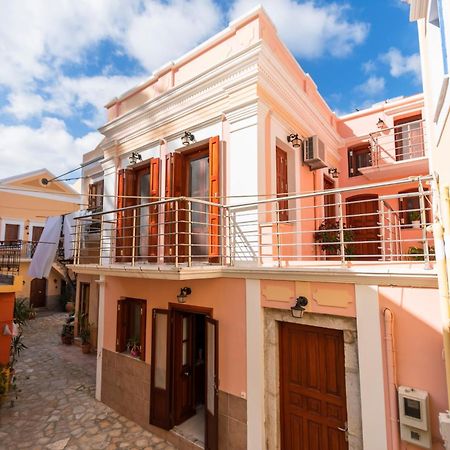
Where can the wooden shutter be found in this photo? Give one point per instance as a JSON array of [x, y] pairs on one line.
[[143, 324], [124, 234], [282, 184], [154, 210], [91, 196], [212, 384], [173, 188], [214, 197], [121, 325]]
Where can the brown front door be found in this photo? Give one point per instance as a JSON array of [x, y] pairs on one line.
[[38, 290], [362, 216], [312, 384], [183, 366]]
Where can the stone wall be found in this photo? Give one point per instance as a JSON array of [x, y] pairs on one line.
[[126, 389]]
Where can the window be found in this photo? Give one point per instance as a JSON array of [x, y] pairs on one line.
[[358, 157], [282, 184], [11, 232], [131, 323], [95, 199], [409, 138], [410, 209]]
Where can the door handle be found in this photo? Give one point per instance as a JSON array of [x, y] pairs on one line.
[[344, 430]]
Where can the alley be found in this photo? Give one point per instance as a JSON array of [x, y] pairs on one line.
[[56, 408]]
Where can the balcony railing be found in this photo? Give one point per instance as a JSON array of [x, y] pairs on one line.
[[10, 257], [399, 143], [370, 223]]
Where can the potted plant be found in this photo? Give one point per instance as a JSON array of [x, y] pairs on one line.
[[85, 335], [414, 218], [417, 253], [328, 234], [134, 348], [67, 334]]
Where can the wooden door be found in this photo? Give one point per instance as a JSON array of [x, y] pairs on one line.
[[38, 290], [362, 216], [312, 384], [183, 366], [212, 385], [160, 384]]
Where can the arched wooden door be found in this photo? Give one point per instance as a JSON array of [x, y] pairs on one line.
[[362, 216], [38, 292]]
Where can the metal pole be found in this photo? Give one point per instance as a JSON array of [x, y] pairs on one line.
[[423, 224], [341, 227], [176, 233], [133, 248], [189, 233]]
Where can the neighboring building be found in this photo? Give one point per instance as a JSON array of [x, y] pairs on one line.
[[232, 196], [433, 19], [25, 204]]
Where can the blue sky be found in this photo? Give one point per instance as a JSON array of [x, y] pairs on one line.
[[62, 61]]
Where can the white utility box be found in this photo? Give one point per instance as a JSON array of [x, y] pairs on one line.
[[414, 416]]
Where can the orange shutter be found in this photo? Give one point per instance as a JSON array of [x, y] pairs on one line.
[[282, 183], [124, 232], [173, 188], [153, 210], [214, 197]]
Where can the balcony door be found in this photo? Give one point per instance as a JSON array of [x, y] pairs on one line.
[[192, 230], [409, 138]]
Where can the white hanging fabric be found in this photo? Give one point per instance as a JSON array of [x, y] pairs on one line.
[[68, 231], [45, 253]]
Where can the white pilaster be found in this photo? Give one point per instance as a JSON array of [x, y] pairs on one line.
[[100, 334], [255, 366], [373, 411]]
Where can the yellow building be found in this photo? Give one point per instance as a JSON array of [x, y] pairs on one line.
[[25, 204]]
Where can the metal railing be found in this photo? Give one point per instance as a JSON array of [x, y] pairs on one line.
[[384, 222], [10, 256], [399, 143]]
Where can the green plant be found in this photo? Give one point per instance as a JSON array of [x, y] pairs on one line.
[[414, 216], [22, 311], [417, 253], [85, 333], [328, 234]]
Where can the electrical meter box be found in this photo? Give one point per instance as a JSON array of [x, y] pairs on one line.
[[414, 416]]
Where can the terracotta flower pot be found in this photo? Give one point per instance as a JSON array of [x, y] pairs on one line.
[[86, 348], [70, 307]]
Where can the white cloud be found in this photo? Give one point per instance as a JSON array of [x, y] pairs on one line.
[[400, 64], [369, 67], [372, 86], [23, 148], [310, 29]]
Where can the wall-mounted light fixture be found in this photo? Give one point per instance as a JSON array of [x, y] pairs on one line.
[[134, 158], [333, 172], [6, 331], [184, 292], [381, 125], [187, 138], [299, 308], [294, 140]]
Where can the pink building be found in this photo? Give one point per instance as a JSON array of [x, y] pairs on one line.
[[262, 269]]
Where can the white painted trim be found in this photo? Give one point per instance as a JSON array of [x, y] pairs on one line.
[[373, 408], [100, 333], [255, 365]]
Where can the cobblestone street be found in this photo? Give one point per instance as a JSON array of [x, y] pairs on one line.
[[56, 408]]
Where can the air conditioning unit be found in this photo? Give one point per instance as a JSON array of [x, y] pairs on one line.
[[314, 153]]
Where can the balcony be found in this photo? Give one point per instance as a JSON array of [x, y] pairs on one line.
[[374, 224], [10, 252], [397, 152]]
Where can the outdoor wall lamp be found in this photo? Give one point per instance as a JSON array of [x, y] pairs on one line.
[[134, 158], [333, 172], [184, 292], [381, 125], [294, 140], [6, 330], [299, 308], [187, 138]]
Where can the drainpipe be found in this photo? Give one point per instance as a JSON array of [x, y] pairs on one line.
[[442, 246], [391, 376]]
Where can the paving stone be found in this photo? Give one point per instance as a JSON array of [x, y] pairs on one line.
[[56, 404]]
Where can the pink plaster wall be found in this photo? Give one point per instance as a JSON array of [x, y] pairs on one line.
[[419, 346], [225, 296]]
